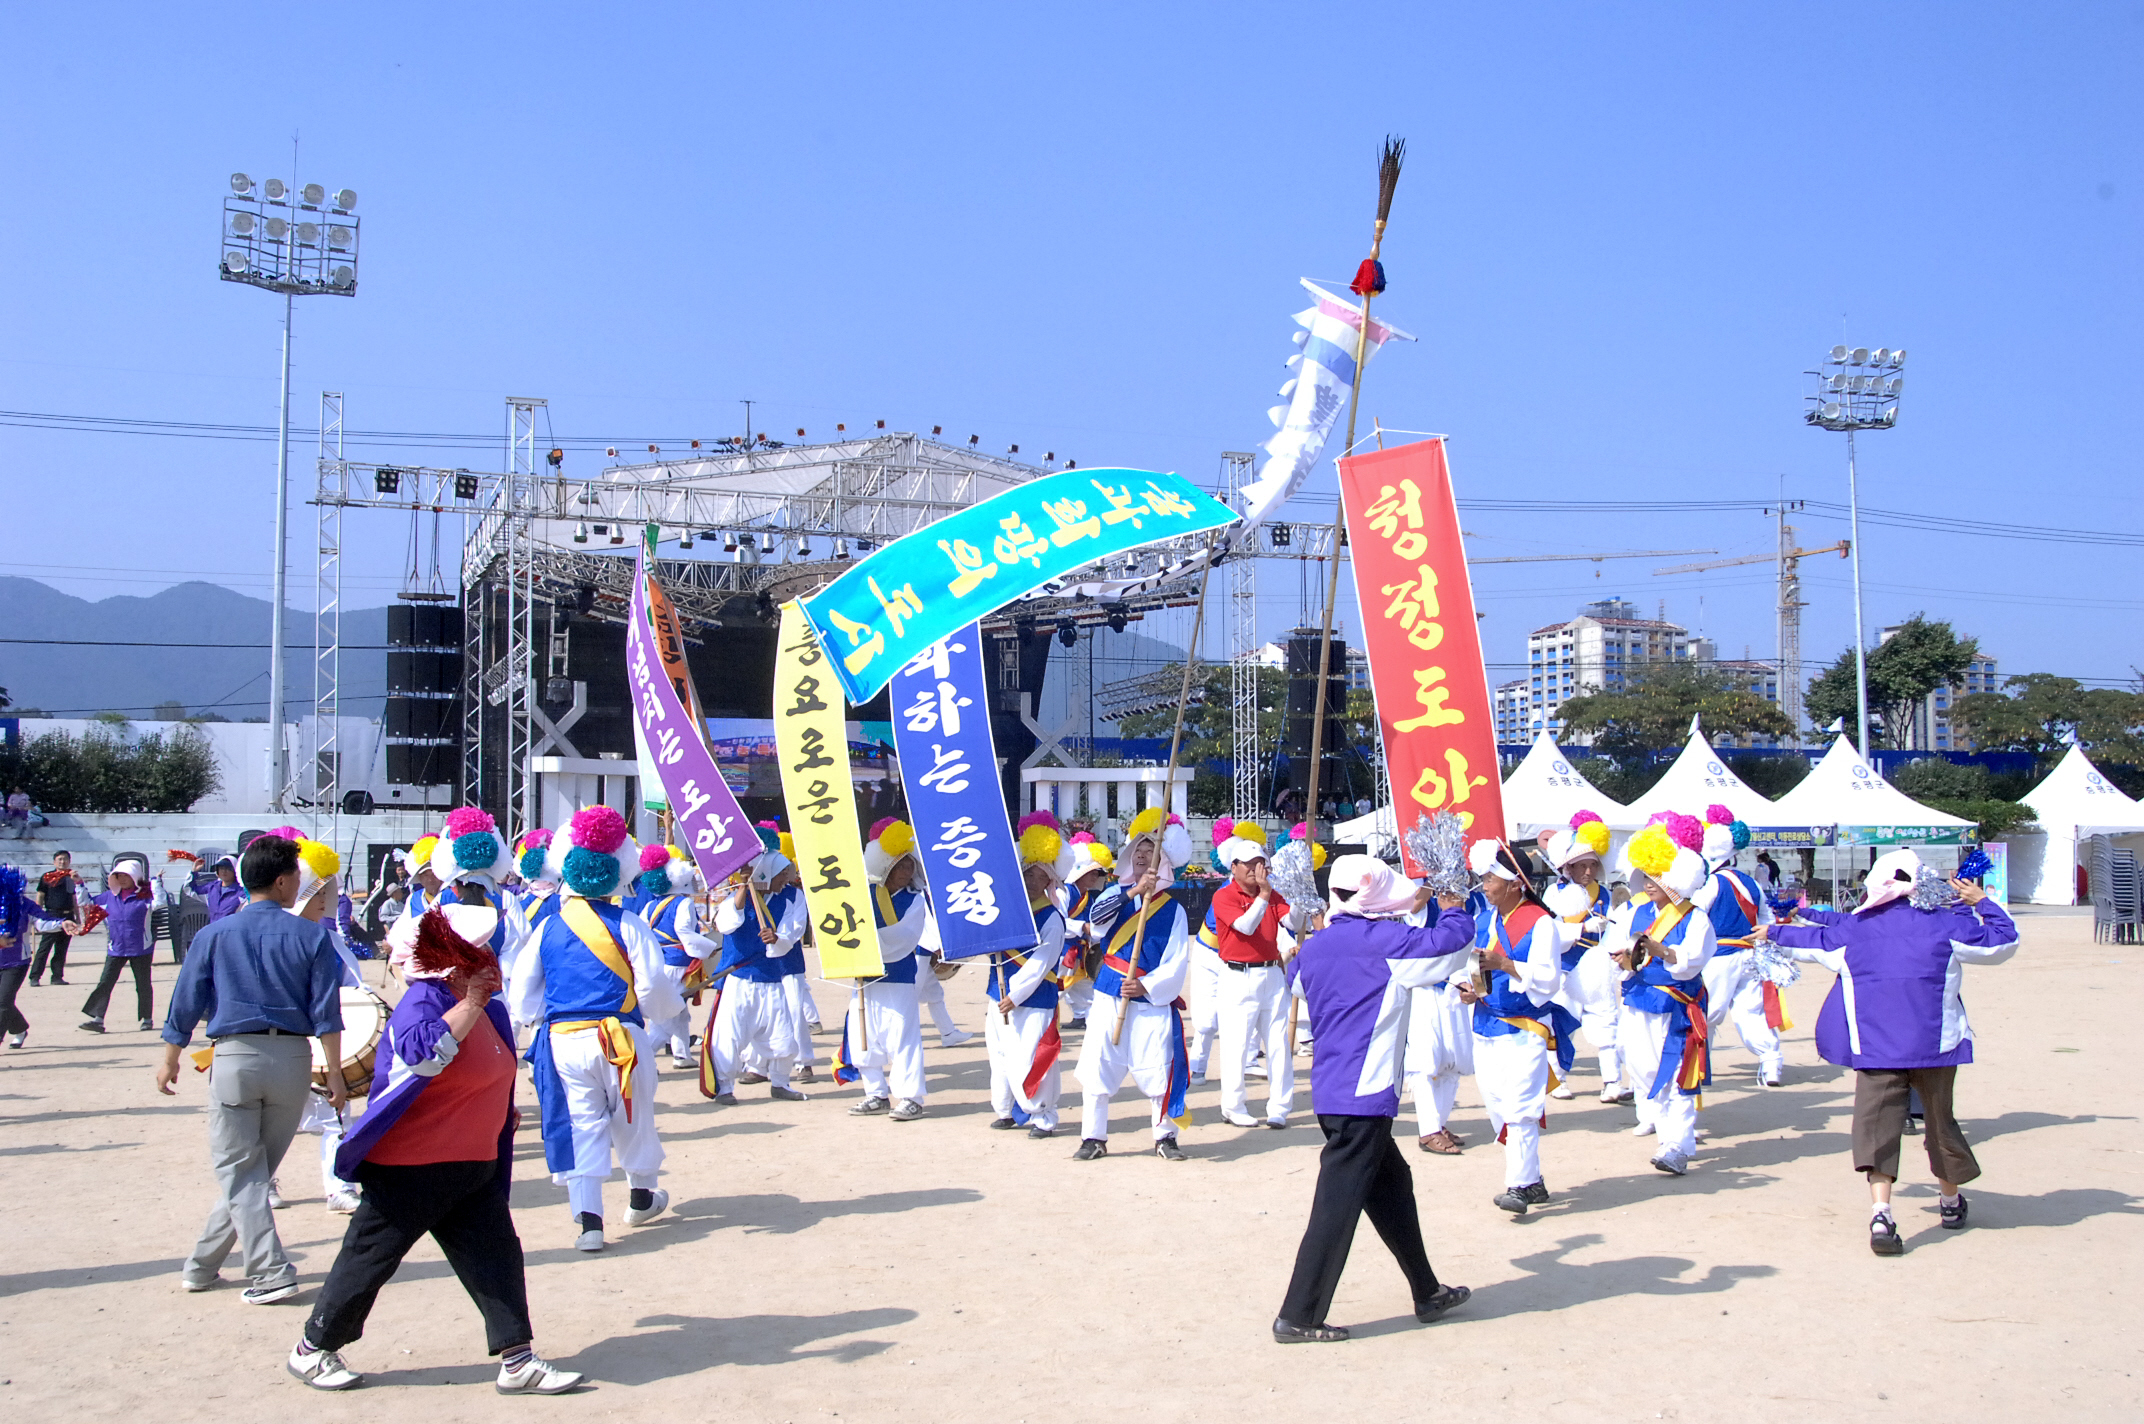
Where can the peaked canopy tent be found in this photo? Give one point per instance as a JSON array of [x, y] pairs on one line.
[[2073, 803], [1545, 790], [1700, 778], [1842, 791]]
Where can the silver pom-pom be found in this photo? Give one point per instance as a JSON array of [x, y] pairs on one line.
[[1290, 874], [1775, 963], [1931, 891], [1438, 844]]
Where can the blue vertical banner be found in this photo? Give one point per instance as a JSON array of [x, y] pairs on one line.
[[949, 770]]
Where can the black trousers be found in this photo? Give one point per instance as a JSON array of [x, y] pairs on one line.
[[100, 998], [55, 946], [460, 1205], [11, 1019], [1361, 1170]]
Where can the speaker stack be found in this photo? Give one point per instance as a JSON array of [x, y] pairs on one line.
[[1303, 700], [424, 678]]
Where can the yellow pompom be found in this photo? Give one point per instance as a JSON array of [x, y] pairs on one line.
[[1317, 856], [1146, 823], [897, 839], [1251, 831], [1039, 845], [421, 852], [1103, 855], [1651, 851], [789, 848], [1594, 835], [319, 858]]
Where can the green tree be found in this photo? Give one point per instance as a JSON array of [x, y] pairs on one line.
[[2040, 713], [103, 771], [1210, 735], [1920, 657], [1652, 711]]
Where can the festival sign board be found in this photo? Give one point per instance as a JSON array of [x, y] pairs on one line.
[[887, 609], [1421, 639], [704, 815], [812, 738], [949, 770]]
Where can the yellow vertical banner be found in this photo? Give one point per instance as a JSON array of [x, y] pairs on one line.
[[811, 736]]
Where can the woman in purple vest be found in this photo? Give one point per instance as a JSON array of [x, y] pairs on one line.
[[1896, 1018], [127, 903]]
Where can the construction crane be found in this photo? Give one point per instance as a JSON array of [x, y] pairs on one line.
[[1594, 558], [1790, 603]]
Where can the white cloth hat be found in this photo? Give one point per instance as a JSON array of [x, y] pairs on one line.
[[1378, 890], [1890, 878], [1719, 845], [1565, 847], [1482, 859]]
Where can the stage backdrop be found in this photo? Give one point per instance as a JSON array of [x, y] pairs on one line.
[[941, 728], [1421, 638], [810, 735], [894, 604], [704, 815]]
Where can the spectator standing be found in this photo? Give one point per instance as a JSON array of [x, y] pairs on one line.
[[59, 892], [262, 981], [19, 914]]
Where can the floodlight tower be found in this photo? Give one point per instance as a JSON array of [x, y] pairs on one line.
[[1857, 389], [301, 245]]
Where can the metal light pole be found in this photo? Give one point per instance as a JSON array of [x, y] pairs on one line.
[[1857, 389], [302, 244]]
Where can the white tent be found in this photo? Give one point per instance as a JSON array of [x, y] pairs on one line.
[[1700, 779], [1546, 790], [1842, 790], [2074, 802]]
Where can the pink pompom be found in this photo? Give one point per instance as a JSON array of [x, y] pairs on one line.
[[1037, 818], [288, 833], [464, 820], [597, 828], [878, 828], [654, 857], [774, 826], [1686, 831], [1719, 815], [1174, 819], [1582, 817], [538, 839], [1659, 818], [1083, 838], [1301, 832], [1223, 828]]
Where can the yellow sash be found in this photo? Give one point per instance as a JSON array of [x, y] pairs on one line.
[[589, 926], [618, 1050], [884, 897], [1543, 1032]]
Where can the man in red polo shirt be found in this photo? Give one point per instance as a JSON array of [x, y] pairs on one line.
[[1253, 992]]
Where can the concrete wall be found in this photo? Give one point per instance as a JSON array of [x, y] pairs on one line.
[[94, 840]]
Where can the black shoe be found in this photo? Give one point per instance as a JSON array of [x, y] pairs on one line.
[[147, 1027], [58, 982], [1953, 1216], [726, 1100], [1090, 1148], [1626, 1098], [1447, 1298], [1511, 1199], [1168, 1151], [1285, 1333], [1039, 1132], [1002, 1124], [1884, 1239], [91, 1025], [1915, 1122], [1075, 1023], [1536, 1195]]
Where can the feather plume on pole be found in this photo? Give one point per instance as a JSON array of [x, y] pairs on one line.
[[1369, 282]]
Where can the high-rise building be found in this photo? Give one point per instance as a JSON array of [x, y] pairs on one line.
[[1598, 651]]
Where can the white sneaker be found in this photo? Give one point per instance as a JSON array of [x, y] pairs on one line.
[[683, 1064], [193, 1287], [343, 1203], [589, 1240], [906, 1110], [275, 1195], [1672, 1162], [1561, 1092], [1240, 1120], [537, 1376], [655, 1209], [1610, 1094], [322, 1369], [954, 1039], [1643, 1129], [18, 1039]]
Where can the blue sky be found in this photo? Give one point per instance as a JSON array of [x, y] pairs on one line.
[[1623, 234]]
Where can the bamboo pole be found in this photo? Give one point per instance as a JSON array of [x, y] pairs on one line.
[[1388, 175], [1168, 782]]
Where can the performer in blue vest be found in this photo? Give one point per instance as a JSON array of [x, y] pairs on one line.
[[1664, 941], [539, 889], [882, 1038], [1020, 1020], [1736, 906], [1139, 986], [1592, 985], [591, 980], [1090, 900], [665, 888], [752, 1013]]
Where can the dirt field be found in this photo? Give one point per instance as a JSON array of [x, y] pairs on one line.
[[816, 1266]]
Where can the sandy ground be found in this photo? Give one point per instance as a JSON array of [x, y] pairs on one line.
[[821, 1267]]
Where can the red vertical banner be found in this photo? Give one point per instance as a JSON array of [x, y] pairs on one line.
[[1421, 638]]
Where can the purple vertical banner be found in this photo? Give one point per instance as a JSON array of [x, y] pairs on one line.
[[704, 815], [949, 771]]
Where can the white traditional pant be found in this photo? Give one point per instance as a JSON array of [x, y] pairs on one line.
[[887, 1045], [1079, 997], [1012, 1047], [1734, 990], [754, 1016], [1202, 989], [1440, 1051], [1254, 1015], [675, 1032], [1144, 1055], [930, 995], [1511, 1070], [601, 1125], [319, 1117], [1673, 1113], [803, 1014], [1593, 990]]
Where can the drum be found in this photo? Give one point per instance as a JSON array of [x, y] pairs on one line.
[[944, 969], [364, 1021]]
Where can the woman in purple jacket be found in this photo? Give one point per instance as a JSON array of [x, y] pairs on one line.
[[128, 941], [1896, 1018]]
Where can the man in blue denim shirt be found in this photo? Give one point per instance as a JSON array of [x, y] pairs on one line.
[[264, 980]]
